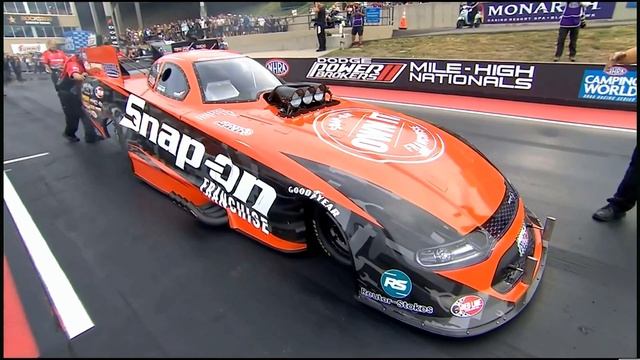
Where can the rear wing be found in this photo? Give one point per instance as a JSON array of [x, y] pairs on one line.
[[104, 62]]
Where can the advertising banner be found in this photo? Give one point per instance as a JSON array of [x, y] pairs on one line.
[[28, 48], [78, 39], [372, 15], [554, 83], [113, 36], [30, 20], [194, 45], [533, 12]]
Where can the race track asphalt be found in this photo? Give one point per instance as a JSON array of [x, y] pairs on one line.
[[156, 283]]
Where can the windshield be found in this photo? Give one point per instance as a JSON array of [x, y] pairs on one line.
[[240, 79]]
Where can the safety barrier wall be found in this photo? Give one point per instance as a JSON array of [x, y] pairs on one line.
[[585, 85], [439, 15]]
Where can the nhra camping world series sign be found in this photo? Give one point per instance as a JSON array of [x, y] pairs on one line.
[[544, 82], [527, 12]]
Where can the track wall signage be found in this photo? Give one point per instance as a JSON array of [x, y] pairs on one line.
[[532, 12], [553, 83]]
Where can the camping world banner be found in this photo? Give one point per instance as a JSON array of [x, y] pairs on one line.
[[533, 12]]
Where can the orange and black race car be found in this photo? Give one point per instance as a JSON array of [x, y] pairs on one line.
[[435, 235]]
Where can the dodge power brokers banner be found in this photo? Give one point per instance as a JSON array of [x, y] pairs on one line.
[[553, 83]]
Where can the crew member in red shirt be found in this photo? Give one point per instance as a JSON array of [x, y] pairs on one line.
[[69, 92], [53, 59]]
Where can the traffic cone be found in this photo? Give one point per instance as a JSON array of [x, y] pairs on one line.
[[403, 21]]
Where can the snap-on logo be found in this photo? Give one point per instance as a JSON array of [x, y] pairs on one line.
[[278, 67], [378, 137], [467, 306]]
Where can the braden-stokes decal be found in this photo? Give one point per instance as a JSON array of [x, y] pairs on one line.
[[415, 307], [227, 185], [467, 306], [355, 69], [317, 196], [370, 135], [396, 283]]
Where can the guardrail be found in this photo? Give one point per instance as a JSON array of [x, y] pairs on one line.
[[585, 85]]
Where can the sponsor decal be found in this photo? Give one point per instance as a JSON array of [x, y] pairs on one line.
[[526, 12], [226, 184], [235, 128], [503, 76], [95, 102], [278, 67], [616, 71], [161, 88], [85, 98], [214, 113], [467, 306], [111, 70], [99, 92], [355, 69], [370, 135], [615, 85], [396, 283], [93, 114], [315, 195], [424, 309], [523, 241]]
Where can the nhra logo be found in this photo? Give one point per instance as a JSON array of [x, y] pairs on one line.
[[370, 135], [278, 67], [467, 306], [355, 69], [396, 283]]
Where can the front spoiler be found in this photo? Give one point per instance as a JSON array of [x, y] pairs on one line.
[[442, 326]]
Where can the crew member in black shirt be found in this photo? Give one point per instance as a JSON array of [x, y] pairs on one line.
[[321, 24]]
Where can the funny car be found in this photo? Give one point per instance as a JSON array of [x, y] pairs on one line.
[[434, 234]]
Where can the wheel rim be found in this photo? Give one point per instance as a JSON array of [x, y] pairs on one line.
[[331, 232]]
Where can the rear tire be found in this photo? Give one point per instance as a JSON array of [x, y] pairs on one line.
[[331, 238]]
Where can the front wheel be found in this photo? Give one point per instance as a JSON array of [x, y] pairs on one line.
[[331, 237], [459, 24]]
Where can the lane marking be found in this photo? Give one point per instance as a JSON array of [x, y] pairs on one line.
[[73, 317], [25, 158], [553, 122]]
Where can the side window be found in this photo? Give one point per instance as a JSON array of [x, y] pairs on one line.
[[153, 75], [172, 82]]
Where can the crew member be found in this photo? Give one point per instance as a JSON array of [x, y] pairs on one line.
[[321, 24], [626, 196], [53, 59], [572, 19], [69, 92], [357, 26]]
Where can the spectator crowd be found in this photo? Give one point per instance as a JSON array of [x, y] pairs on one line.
[[15, 65], [210, 27]]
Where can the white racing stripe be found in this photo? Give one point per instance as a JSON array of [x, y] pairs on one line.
[[73, 317], [25, 158], [554, 122]]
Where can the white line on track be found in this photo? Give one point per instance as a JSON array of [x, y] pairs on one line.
[[496, 115], [25, 158], [74, 318]]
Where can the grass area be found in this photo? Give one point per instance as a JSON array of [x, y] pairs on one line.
[[594, 45]]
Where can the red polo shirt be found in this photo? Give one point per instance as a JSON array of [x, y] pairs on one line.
[[55, 59]]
